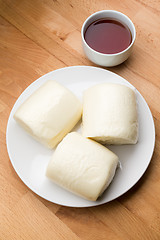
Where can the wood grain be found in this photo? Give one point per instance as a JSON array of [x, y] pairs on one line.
[[40, 36]]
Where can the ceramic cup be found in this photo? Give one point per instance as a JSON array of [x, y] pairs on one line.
[[108, 60]]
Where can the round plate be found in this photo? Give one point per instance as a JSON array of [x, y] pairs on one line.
[[29, 158]]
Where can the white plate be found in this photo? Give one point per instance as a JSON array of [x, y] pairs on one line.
[[29, 158]]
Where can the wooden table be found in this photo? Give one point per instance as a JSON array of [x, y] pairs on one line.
[[40, 36]]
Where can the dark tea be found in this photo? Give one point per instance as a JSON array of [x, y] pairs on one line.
[[108, 36]]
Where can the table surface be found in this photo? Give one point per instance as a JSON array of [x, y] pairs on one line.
[[37, 37]]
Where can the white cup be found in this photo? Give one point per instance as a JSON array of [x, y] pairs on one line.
[[108, 60]]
